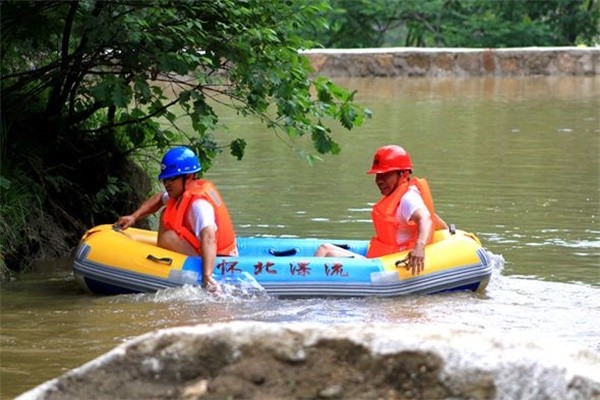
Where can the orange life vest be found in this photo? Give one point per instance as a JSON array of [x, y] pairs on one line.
[[174, 216], [387, 225]]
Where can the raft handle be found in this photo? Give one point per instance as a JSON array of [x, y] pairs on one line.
[[164, 260], [452, 229], [342, 246], [283, 253], [118, 229], [402, 263]]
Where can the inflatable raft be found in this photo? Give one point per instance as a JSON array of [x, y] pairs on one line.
[[113, 261]]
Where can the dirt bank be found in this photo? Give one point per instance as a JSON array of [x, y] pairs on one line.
[[247, 360]]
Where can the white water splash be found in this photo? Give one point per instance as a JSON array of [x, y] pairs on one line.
[[241, 287]]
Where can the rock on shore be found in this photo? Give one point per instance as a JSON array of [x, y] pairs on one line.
[[252, 360]]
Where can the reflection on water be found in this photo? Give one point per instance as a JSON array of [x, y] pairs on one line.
[[515, 160]]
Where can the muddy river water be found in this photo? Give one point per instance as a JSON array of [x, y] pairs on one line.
[[514, 160]]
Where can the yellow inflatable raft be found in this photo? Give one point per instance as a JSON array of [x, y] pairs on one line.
[[112, 261]]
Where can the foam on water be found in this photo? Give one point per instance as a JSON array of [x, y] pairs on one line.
[[241, 287], [516, 305]]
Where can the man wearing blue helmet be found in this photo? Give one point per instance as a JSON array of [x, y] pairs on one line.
[[195, 220]]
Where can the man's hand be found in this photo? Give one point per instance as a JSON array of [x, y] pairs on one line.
[[126, 221], [210, 284], [416, 259]]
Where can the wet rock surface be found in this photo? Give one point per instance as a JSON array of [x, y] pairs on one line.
[[248, 360]]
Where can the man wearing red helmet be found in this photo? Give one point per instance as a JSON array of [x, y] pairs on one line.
[[195, 220], [404, 218]]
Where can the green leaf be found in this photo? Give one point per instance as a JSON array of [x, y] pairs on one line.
[[4, 183], [237, 147], [322, 141]]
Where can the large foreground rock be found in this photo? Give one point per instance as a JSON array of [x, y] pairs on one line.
[[247, 360]]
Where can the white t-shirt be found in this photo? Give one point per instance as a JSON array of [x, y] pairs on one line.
[[410, 202], [200, 215]]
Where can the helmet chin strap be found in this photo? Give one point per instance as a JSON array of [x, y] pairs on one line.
[[184, 181], [186, 178], [404, 176]]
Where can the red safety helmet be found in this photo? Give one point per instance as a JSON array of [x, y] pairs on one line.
[[390, 158]]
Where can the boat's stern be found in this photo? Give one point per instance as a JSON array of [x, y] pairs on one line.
[[112, 261]]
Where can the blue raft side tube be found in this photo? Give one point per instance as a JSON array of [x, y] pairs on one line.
[[284, 247]]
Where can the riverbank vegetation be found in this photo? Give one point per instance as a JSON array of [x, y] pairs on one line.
[[90, 87], [460, 23], [93, 92]]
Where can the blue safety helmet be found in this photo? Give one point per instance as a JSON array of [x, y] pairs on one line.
[[179, 161]]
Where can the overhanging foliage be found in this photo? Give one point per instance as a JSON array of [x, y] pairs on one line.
[[116, 67], [88, 84]]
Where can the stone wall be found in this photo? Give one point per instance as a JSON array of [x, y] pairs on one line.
[[440, 62]]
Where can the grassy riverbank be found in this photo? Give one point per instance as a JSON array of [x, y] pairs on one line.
[[36, 224], [27, 231]]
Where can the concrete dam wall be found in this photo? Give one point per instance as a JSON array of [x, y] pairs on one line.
[[463, 62]]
